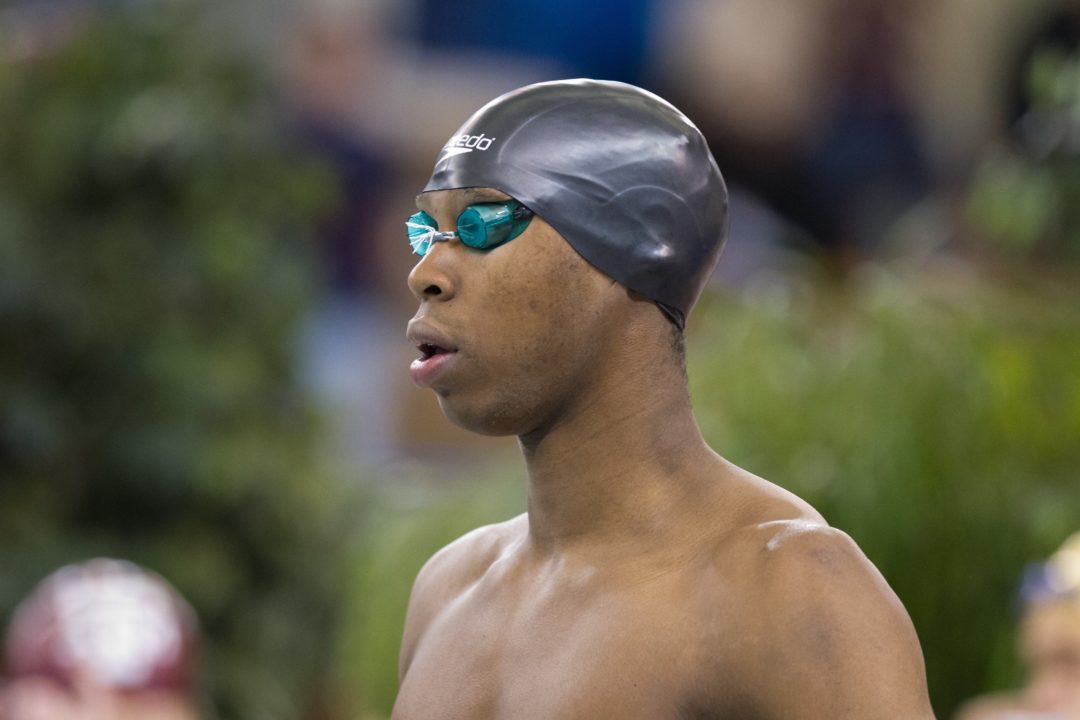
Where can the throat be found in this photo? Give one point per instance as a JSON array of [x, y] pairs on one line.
[[625, 480]]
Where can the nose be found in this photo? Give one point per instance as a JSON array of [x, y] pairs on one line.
[[432, 278]]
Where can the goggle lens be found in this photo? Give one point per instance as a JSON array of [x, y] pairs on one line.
[[485, 226], [482, 226], [421, 228]]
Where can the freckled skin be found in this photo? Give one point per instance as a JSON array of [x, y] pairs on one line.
[[650, 578]]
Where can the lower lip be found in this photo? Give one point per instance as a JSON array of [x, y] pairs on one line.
[[425, 371]]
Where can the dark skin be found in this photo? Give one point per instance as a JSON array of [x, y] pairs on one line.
[[650, 578]]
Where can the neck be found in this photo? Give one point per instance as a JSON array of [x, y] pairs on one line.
[[623, 465]]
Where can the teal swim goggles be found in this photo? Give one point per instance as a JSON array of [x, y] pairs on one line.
[[481, 226]]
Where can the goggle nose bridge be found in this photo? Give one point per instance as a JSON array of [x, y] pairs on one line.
[[481, 226]]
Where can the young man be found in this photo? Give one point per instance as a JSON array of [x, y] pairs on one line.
[[565, 233]]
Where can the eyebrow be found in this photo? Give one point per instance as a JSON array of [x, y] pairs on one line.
[[474, 194], [484, 194]]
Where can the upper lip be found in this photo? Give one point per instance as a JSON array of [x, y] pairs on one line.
[[421, 333]]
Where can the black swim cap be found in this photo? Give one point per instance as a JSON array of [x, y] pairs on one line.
[[620, 173]]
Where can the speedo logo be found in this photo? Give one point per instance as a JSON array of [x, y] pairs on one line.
[[460, 144]]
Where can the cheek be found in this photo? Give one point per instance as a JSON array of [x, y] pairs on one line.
[[533, 343], [541, 321]]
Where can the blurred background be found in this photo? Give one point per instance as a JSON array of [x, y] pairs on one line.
[[203, 301]]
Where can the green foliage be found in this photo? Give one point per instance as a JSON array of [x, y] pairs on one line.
[[153, 268], [419, 509], [935, 418]]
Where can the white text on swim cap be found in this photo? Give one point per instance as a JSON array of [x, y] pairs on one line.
[[466, 143]]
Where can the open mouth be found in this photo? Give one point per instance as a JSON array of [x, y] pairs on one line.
[[437, 353], [430, 350]]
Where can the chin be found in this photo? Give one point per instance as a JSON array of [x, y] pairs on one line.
[[495, 420]]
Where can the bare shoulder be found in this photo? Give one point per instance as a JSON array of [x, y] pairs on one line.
[[466, 559], [450, 571], [802, 551], [827, 635]]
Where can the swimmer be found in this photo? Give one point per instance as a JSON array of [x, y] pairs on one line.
[[1049, 646], [564, 236], [101, 640]]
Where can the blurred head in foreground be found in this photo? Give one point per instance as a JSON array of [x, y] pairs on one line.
[[103, 640], [1049, 644]]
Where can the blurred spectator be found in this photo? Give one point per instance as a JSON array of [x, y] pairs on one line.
[[1049, 645], [30, 28], [334, 72], [969, 59], [867, 166], [806, 105], [103, 640], [604, 39]]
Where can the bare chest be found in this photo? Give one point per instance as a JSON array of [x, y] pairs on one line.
[[494, 654]]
